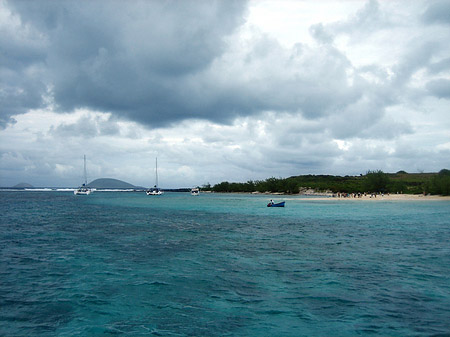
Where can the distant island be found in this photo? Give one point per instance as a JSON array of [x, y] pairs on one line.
[[23, 185], [102, 184], [109, 183]]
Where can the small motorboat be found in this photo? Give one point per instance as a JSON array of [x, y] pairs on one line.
[[279, 204]]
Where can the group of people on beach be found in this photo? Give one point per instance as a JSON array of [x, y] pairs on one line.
[[356, 195]]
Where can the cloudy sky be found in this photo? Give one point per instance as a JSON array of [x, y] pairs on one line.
[[221, 90]]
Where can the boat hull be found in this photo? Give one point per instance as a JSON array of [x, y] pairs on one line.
[[280, 204], [154, 192], [82, 192]]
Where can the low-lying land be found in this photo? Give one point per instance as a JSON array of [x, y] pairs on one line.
[[390, 197], [378, 182]]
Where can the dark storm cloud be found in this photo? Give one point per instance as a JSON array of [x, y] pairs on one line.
[[130, 58], [22, 56], [18, 94], [161, 62]]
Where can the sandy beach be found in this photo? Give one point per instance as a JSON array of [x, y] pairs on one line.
[[391, 197]]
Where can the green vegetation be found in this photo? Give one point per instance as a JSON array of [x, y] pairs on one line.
[[376, 181], [439, 184], [371, 182]]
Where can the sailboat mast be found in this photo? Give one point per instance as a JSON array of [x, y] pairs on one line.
[[156, 172], [85, 174]]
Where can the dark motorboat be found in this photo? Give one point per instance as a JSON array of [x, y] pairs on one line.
[[272, 204]]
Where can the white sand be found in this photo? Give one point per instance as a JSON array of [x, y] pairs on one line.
[[390, 197]]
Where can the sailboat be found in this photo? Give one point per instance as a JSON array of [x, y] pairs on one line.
[[155, 190], [83, 189]]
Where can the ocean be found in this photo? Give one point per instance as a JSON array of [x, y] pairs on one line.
[[119, 263]]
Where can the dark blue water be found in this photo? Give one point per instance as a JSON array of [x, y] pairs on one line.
[[221, 265]]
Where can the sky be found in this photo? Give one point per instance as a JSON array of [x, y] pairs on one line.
[[221, 90]]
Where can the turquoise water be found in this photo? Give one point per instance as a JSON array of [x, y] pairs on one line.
[[221, 265]]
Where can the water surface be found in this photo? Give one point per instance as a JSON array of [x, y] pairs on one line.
[[221, 265]]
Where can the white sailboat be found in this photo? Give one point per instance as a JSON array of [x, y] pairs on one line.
[[155, 190], [83, 189]]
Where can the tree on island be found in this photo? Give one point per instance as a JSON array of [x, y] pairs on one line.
[[439, 184], [206, 187], [376, 181]]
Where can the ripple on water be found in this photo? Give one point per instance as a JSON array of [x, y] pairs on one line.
[[126, 264]]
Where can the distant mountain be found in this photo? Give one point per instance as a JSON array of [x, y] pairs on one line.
[[110, 183], [23, 185]]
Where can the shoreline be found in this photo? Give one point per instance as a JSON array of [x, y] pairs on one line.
[[390, 197], [329, 196]]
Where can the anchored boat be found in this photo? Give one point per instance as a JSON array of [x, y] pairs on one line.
[[272, 204], [83, 189], [155, 190]]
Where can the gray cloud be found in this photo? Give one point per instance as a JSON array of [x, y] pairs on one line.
[[440, 66], [126, 59], [158, 63], [192, 79], [87, 126], [439, 88], [368, 20], [437, 12], [22, 62], [321, 34]]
